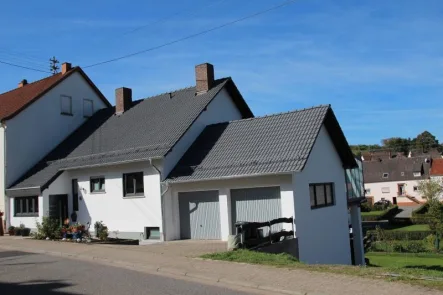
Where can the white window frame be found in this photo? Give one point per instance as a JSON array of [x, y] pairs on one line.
[[92, 107], [91, 186], [385, 173], [417, 174], [62, 97], [385, 190]]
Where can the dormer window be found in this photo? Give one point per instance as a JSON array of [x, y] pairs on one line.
[[417, 174], [385, 175]]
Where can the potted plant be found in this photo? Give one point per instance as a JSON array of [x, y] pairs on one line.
[[25, 232], [11, 230], [17, 231]]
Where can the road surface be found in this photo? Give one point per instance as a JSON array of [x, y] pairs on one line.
[[35, 274]]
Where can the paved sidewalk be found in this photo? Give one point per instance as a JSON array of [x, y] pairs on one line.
[[144, 259]]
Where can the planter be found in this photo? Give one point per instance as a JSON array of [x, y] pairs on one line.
[[18, 231], [11, 232], [26, 232]]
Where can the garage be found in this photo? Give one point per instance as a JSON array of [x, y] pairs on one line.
[[199, 215], [256, 204]]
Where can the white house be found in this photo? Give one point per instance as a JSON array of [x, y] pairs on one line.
[[190, 163], [396, 180], [35, 118]]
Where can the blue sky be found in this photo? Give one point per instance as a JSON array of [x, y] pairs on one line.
[[378, 63]]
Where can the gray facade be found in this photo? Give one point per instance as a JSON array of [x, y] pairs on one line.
[[199, 215], [256, 205]]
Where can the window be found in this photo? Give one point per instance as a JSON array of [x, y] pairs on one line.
[[367, 191], [88, 108], [385, 175], [133, 184], [75, 195], [401, 189], [97, 184], [66, 105], [415, 188], [417, 174], [402, 174], [321, 195], [385, 190], [26, 206]]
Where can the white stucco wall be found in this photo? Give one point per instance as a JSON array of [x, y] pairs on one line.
[[171, 202], [323, 233], [40, 127], [2, 168], [221, 109], [439, 179], [376, 191], [127, 216]]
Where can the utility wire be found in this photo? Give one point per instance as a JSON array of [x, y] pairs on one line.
[[23, 67], [193, 35]]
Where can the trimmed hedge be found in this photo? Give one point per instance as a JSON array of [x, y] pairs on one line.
[[400, 235], [401, 246], [387, 214]]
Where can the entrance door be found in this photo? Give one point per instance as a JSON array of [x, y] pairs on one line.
[[199, 215], [58, 207], [394, 200]]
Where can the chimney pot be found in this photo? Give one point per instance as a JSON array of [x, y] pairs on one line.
[[66, 66], [22, 83], [204, 76], [123, 100]]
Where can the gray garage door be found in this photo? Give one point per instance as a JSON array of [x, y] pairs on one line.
[[199, 215], [256, 204]]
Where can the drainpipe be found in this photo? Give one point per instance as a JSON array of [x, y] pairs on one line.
[[5, 200], [161, 196]]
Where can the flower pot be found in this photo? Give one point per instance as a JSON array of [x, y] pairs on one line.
[[25, 232], [18, 231], [11, 232]]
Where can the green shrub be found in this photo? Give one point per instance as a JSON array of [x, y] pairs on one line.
[[101, 230], [48, 228], [366, 207], [415, 247], [400, 246], [391, 235], [386, 214]]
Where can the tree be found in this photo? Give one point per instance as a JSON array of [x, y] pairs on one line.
[[432, 190], [425, 141], [397, 144]]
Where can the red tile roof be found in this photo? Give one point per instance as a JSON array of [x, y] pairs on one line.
[[437, 167], [16, 100]]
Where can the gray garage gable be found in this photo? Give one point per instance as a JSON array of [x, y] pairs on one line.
[[272, 144]]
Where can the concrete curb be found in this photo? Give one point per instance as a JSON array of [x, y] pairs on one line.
[[160, 270]]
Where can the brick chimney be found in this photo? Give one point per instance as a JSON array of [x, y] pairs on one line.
[[204, 76], [22, 83], [123, 100], [66, 66]]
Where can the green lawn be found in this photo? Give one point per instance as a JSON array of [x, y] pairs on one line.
[[373, 213], [409, 268], [414, 227]]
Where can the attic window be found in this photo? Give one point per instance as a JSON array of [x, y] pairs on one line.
[[417, 174], [66, 105], [385, 175]]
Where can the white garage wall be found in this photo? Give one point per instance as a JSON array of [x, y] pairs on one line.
[[172, 217], [2, 168], [323, 233]]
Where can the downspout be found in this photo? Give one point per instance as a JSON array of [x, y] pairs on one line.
[[6, 200], [161, 196]]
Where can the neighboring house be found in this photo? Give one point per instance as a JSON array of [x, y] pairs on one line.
[[190, 163], [34, 119], [436, 172], [396, 180]]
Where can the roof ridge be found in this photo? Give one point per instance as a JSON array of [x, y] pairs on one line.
[[180, 89]]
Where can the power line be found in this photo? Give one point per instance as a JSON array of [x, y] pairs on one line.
[[193, 35], [162, 20], [23, 67]]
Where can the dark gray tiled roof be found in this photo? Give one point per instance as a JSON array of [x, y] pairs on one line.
[[272, 144], [373, 171], [149, 129]]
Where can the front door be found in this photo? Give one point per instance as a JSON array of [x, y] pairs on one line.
[[58, 207], [394, 200]]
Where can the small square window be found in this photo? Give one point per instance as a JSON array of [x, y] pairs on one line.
[[415, 188], [321, 195], [367, 191], [385, 175], [66, 105], [385, 190], [402, 174], [88, 108], [97, 184]]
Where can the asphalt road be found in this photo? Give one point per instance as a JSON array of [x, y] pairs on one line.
[[27, 273]]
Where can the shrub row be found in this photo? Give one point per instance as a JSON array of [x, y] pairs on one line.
[[402, 246], [399, 235], [387, 214]]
